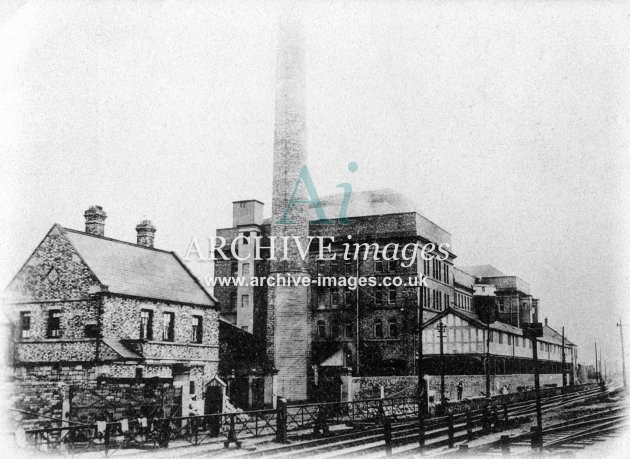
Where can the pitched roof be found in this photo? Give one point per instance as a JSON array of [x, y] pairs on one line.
[[549, 332], [482, 271], [549, 335], [135, 270]]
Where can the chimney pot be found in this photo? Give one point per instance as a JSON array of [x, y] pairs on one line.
[[95, 220], [146, 233]]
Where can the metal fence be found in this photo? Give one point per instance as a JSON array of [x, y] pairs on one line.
[[233, 427], [225, 427]]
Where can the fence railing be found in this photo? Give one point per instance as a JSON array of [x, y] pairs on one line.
[[233, 427]]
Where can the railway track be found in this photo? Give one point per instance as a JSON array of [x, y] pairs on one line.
[[369, 441], [575, 434]]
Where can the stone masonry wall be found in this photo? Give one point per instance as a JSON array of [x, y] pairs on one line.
[[474, 385], [54, 271]]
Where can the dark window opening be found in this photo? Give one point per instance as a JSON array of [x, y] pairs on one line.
[[378, 328], [168, 326], [321, 329], [393, 328], [146, 324], [197, 329], [25, 324], [54, 318]]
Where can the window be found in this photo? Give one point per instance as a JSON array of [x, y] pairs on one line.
[[168, 326], [54, 324], [448, 300], [146, 324], [501, 305], [509, 339], [234, 269], [393, 328], [334, 295], [392, 265], [392, 295], [347, 294], [378, 328], [139, 373], [427, 267], [191, 388], [197, 329], [349, 330], [244, 301], [500, 338], [25, 324], [348, 267], [426, 297], [321, 329], [491, 336], [245, 269], [233, 300], [321, 266], [246, 238], [335, 266], [436, 300], [378, 266], [378, 295]]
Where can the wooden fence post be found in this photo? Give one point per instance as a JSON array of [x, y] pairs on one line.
[[469, 426], [505, 444], [387, 430], [281, 420]]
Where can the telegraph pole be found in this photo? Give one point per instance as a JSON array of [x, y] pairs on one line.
[[623, 354], [488, 331], [564, 363], [533, 331], [596, 366], [441, 328], [421, 392]]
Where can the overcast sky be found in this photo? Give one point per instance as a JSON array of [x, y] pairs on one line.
[[506, 122]]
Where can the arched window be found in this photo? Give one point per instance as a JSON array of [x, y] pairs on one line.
[[321, 329], [393, 328], [378, 328]]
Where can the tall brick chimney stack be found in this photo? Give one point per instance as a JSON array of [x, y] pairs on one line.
[[146, 233], [288, 331], [95, 221]]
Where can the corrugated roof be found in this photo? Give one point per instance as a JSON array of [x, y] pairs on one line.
[[131, 269]]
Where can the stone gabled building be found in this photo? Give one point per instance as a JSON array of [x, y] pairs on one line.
[[94, 312]]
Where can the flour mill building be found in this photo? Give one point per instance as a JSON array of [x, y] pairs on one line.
[[338, 343]]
